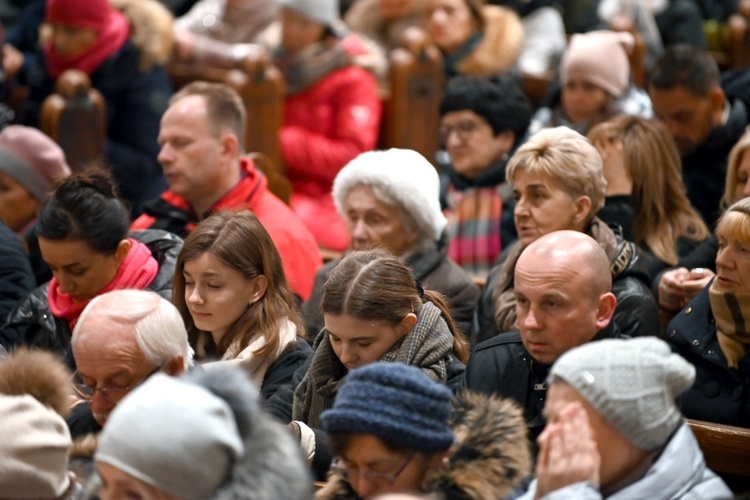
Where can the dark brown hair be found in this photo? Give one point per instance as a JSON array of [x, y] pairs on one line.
[[239, 240], [378, 286]]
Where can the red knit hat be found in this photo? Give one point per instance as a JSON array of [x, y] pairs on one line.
[[92, 14]]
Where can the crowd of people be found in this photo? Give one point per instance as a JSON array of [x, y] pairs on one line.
[[535, 312]]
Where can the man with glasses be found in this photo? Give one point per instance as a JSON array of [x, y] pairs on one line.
[[121, 339]]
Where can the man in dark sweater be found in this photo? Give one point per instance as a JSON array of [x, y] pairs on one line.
[[563, 299], [705, 114]]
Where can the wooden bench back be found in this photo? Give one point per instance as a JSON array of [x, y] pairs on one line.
[[411, 117], [75, 116], [725, 447]]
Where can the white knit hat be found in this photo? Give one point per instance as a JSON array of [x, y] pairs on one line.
[[173, 435], [631, 383], [324, 11], [406, 176], [34, 444]]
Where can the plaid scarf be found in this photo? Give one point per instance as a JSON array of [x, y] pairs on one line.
[[474, 228], [731, 325], [428, 345]]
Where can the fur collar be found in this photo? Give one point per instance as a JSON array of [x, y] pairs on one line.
[[500, 46], [490, 458], [151, 30]]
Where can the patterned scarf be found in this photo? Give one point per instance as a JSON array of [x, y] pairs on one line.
[[302, 71], [428, 345], [474, 228], [731, 325]]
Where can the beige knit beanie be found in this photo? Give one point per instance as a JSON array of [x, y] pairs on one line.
[[599, 57]]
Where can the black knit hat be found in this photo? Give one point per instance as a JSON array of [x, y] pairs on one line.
[[396, 403]]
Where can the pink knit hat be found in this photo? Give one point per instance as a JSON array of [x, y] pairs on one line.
[[91, 14], [32, 159], [599, 57]]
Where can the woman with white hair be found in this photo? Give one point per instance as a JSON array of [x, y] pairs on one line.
[[389, 199], [558, 183]]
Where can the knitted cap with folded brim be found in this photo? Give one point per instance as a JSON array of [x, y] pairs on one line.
[[34, 445], [174, 435], [406, 176], [631, 383], [396, 403]]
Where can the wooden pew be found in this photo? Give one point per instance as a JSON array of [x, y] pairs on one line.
[[725, 447], [411, 117], [75, 117]]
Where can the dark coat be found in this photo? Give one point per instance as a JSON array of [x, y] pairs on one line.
[[280, 373], [32, 324], [503, 366], [720, 394], [16, 276], [636, 313], [432, 268], [704, 171], [135, 97]]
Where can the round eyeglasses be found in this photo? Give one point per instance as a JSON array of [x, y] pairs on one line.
[[111, 394], [379, 479]]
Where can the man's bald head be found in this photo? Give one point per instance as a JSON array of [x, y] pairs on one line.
[[575, 249], [562, 287]]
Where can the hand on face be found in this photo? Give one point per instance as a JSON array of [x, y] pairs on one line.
[[567, 452]]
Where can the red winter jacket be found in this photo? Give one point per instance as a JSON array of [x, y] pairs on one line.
[[329, 124], [297, 247]]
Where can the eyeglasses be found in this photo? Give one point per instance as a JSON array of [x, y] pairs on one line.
[[110, 394], [379, 479], [463, 130]]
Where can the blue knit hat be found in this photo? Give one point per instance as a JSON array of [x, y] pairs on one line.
[[393, 402]]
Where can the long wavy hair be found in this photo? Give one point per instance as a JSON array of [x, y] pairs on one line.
[[663, 212], [239, 241]]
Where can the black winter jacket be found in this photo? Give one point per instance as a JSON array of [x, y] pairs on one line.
[[636, 315], [503, 366], [719, 394], [16, 277], [432, 268], [32, 324]]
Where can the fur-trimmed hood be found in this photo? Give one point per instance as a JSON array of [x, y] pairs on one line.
[[491, 455], [500, 46], [150, 29]]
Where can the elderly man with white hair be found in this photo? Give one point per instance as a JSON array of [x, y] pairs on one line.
[[121, 339], [390, 199]]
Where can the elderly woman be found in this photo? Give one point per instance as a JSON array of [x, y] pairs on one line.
[[481, 123], [389, 199], [558, 183], [710, 332], [676, 287], [475, 39]]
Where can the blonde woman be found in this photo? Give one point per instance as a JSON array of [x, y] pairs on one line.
[[645, 193]]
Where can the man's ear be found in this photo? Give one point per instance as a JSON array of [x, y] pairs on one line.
[[175, 366], [230, 145], [718, 101], [606, 309]]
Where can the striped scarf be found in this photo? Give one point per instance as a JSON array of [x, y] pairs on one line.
[[428, 345], [474, 228], [731, 325]]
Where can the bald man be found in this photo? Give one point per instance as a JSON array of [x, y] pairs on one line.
[[563, 289]]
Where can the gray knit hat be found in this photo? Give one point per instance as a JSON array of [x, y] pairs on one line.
[[396, 403], [403, 175], [631, 383], [196, 430], [323, 11]]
